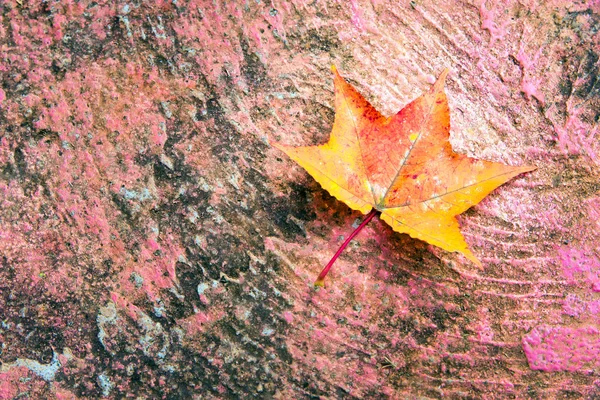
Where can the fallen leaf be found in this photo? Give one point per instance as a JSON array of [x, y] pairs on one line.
[[402, 166]]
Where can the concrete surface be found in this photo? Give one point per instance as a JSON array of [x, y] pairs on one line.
[[152, 245]]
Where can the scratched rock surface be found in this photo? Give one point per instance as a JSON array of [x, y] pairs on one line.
[[153, 245]]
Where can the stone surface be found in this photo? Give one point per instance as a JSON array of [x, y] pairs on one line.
[[153, 245]]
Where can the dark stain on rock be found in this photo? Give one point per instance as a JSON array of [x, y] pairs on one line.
[[47, 135], [227, 255], [20, 162], [253, 69], [317, 40], [36, 322], [189, 276], [440, 317], [587, 74], [290, 211], [123, 206], [424, 335]]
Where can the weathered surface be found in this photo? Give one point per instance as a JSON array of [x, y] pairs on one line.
[[152, 244]]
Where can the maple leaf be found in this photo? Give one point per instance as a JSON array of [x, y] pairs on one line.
[[402, 166]]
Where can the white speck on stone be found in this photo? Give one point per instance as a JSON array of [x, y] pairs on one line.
[[159, 311], [202, 288], [107, 315], [125, 20], [133, 195], [194, 216], [166, 110], [105, 384], [153, 336], [137, 279], [267, 331], [44, 371], [166, 161]]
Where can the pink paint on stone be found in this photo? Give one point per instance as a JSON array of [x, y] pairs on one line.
[[593, 212], [560, 348], [18, 380], [288, 317], [8, 387], [357, 18], [488, 23], [63, 394], [124, 304], [529, 84], [530, 88], [575, 136], [573, 305], [196, 323], [580, 265]]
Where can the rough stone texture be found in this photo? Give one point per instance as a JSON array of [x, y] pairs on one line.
[[153, 245]]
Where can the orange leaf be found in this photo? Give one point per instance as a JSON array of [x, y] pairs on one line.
[[402, 166]]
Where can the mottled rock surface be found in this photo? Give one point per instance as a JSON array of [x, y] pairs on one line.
[[153, 244]]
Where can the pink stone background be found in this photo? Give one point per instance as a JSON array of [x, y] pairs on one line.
[[153, 245]]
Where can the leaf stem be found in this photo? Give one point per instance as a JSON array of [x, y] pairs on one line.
[[321, 278]]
